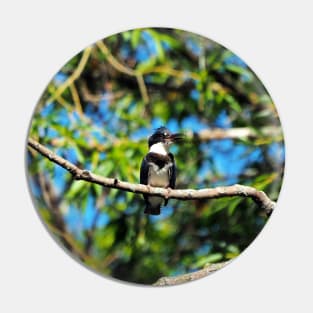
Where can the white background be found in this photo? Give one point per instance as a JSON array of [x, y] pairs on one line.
[[274, 38]]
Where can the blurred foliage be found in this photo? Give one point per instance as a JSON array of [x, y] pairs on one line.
[[98, 111]]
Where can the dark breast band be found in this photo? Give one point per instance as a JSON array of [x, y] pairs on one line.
[[159, 159]]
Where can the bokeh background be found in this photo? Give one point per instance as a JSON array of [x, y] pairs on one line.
[[98, 111]]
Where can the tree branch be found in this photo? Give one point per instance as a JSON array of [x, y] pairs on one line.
[[274, 133], [126, 70], [237, 133], [73, 77], [172, 72], [183, 194], [176, 280]]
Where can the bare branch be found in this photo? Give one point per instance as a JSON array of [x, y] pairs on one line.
[[73, 77], [272, 132], [76, 99], [176, 280], [172, 72], [126, 70], [183, 194]]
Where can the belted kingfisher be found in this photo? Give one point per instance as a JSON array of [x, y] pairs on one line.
[[158, 167]]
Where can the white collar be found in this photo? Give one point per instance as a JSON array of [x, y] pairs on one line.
[[160, 148]]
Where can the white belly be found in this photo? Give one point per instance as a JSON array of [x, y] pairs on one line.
[[158, 177]]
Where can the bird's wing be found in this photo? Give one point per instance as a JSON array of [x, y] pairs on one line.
[[144, 172], [172, 172]]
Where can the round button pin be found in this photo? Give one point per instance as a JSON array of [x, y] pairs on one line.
[[155, 156]]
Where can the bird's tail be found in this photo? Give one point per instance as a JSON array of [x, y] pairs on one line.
[[152, 210]]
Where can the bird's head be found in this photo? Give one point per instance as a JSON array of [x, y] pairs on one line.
[[164, 136]]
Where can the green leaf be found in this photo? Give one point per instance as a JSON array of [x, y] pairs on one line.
[[209, 94], [108, 167], [75, 188], [79, 155], [126, 35], [170, 41], [233, 249], [129, 196], [146, 65], [264, 180], [94, 159], [233, 103], [235, 69], [158, 45], [219, 97], [113, 193], [239, 70], [98, 189], [135, 37], [211, 258], [233, 204], [106, 239], [161, 110]]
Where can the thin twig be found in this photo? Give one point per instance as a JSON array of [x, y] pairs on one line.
[[74, 76], [273, 132], [78, 107], [126, 70], [76, 99], [183, 194], [142, 88], [172, 72]]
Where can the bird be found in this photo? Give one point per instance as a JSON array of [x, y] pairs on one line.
[[158, 168]]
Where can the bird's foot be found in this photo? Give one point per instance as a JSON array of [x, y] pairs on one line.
[[149, 187], [168, 192]]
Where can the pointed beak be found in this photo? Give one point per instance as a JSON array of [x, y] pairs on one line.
[[176, 138]]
